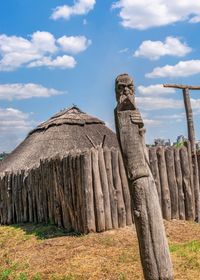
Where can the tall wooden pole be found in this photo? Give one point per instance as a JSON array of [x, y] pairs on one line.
[[191, 138], [189, 117], [153, 244]]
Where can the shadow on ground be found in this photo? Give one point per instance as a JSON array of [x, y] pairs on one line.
[[44, 231]]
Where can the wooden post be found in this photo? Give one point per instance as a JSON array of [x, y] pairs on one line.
[[153, 245], [112, 191], [98, 193], [189, 212], [191, 138], [165, 193], [88, 193], [169, 158], [118, 186], [179, 181], [190, 123], [155, 171], [105, 190]]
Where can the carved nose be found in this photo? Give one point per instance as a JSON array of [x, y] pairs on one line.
[[126, 89]]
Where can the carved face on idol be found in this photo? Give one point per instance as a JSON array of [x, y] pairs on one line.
[[124, 88]]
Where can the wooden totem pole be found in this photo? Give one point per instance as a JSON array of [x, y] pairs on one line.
[[153, 244]]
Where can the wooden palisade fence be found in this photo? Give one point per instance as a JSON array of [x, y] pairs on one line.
[[83, 192], [88, 191], [172, 171]]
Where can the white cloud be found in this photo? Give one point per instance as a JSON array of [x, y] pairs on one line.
[[172, 117], [14, 125], [181, 69], [25, 91], [62, 62], [155, 49], [152, 122], [157, 89], [41, 50], [73, 44], [154, 102], [143, 14], [80, 7], [195, 104], [158, 103], [43, 42]]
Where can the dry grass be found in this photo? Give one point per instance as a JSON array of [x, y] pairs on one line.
[[40, 252]]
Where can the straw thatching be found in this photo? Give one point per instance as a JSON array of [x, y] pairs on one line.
[[68, 171], [70, 129]]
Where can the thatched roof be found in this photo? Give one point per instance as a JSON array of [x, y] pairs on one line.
[[70, 129]]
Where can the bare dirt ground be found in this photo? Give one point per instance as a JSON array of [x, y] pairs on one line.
[[42, 252]]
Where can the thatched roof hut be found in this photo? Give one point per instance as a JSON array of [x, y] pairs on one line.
[[68, 171], [70, 129]]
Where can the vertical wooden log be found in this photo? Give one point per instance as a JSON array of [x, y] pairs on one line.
[[98, 194], [16, 198], [105, 190], [118, 186], [169, 158], [67, 219], [5, 217], [35, 196], [187, 144], [41, 199], [179, 181], [45, 186], [166, 201], [4, 214], [26, 206], [112, 191], [19, 197], [153, 245], [51, 192], [155, 171], [189, 116], [68, 193], [198, 161], [1, 202], [76, 192], [78, 174], [57, 208], [72, 191], [29, 198], [9, 195], [88, 194], [126, 192], [63, 203], [189, 207], [191, 137]]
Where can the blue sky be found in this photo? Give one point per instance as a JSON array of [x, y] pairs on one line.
[[57, 53]]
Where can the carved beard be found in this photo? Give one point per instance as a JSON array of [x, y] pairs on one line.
[[123, 97]]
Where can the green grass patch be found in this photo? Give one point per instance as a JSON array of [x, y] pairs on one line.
[[4, 275], [189, 253], [189, 247]]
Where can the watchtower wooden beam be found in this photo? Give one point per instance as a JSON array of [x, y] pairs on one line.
[[191, 138], [182, 86]]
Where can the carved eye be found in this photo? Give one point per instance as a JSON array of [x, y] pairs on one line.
[[120, 87]]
